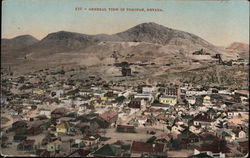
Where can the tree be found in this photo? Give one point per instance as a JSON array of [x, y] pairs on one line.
[[185, 102]]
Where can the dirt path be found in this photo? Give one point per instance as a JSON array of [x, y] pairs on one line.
[[218, 75]]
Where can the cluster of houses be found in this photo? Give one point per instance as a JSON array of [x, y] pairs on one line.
[[53, 117]]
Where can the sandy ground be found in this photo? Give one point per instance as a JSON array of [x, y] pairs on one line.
[[180, 153], [141, 134]]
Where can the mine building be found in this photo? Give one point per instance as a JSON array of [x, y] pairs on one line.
[[126, 71]]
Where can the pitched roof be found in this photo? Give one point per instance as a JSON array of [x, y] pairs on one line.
[[119, 142], [108, 150], [161, 117], [142, 118], [209, 136], [108, 115], [151, 139], [63, 125], [160, 105], [61, 110], [150, 110], [79, 152], [166, 136], [215, 148], [147, 147], [244, 145]]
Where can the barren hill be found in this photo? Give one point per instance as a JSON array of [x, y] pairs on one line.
[[17, 43], [238, 47], [143, 43], [241, 49]]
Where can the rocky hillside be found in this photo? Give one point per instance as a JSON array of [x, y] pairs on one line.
[[238, 47], [241, 49], [17, 43], [146, 42], [153, 33]]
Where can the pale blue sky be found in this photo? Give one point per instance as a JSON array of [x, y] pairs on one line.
[[219, 22]]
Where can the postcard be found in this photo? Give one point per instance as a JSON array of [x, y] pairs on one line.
[[125, 78]]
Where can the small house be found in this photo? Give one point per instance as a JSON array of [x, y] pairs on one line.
[[26, 145], [54, 146], [165, 99], [142, 149], [108, 150], [109, 116], [79, 153], [202, 120], [91, 140], [63, 127], [46, 112]]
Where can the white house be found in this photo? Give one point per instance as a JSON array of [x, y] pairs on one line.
[[147, 90], [219, 155], [191, 100], [56, 93], [46, 112], [142, 120], [207, 100]]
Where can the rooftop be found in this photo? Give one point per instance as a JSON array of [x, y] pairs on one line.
[[147, 147]]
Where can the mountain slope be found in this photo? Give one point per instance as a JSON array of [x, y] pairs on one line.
[[142, 43], [155, 33], [145, 32], [18, 42], [238, 47], [63, 41]]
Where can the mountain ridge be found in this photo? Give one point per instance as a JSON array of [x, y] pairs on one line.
[[144, 32], [18, 42], [156, 38]]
